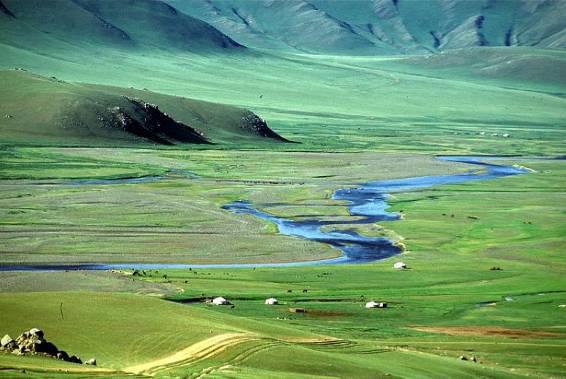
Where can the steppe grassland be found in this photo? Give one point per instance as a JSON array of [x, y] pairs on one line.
[[450, 283], [49, 215]]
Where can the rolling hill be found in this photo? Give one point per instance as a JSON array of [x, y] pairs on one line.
[[39, 110], [384, 26], [62, 26], [158, 45]]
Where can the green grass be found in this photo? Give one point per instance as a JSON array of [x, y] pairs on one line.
[[358, 119], [377, 103], [177, 219], [450, 260], [38, 110]]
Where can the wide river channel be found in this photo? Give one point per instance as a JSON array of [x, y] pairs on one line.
[[367, 204]]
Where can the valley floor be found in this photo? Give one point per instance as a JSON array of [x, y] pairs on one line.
[[448, 304], [486, 265]]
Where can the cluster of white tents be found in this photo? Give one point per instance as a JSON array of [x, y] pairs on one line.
[[273, 301], [222, 301], [375, 304]]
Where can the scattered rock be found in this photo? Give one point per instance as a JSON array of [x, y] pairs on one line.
[[33, 342], [474, 359], [38, 333], [6, 340], [91, 361], [462, 358], [46, 348], [75, 359], [8, 343]]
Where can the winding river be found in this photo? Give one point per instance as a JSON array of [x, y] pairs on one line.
[[366, 204]]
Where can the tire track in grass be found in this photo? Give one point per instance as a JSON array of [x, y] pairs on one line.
[[194, 353], [212, 347], [238, 359]]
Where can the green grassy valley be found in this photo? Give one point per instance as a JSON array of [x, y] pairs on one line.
[[136, 136]]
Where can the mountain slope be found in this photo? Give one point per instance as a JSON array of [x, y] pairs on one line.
[[542, 69], [58, 26], [40, 110], [384, 26]]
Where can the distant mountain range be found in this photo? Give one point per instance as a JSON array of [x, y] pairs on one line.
[[123, 24], [316, 26], [202, 48], [384, 26]]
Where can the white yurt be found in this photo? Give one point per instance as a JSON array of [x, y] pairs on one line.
[[400, 266], [220, 301], [375, 304]]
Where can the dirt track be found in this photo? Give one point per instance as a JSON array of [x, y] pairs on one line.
[[196, 352]]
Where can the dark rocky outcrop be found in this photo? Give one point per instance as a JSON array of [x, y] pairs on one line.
[[147, 121], [33, 342], [256, 125]]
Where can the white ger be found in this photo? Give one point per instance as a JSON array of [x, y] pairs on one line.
[[400, 266], [271, 301], [374, 304], [220, 301]]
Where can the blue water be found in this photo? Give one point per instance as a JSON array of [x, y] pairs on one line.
[[366, 204]]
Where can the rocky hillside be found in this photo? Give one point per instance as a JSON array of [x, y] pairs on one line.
[[384, 26], [39, 110]]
